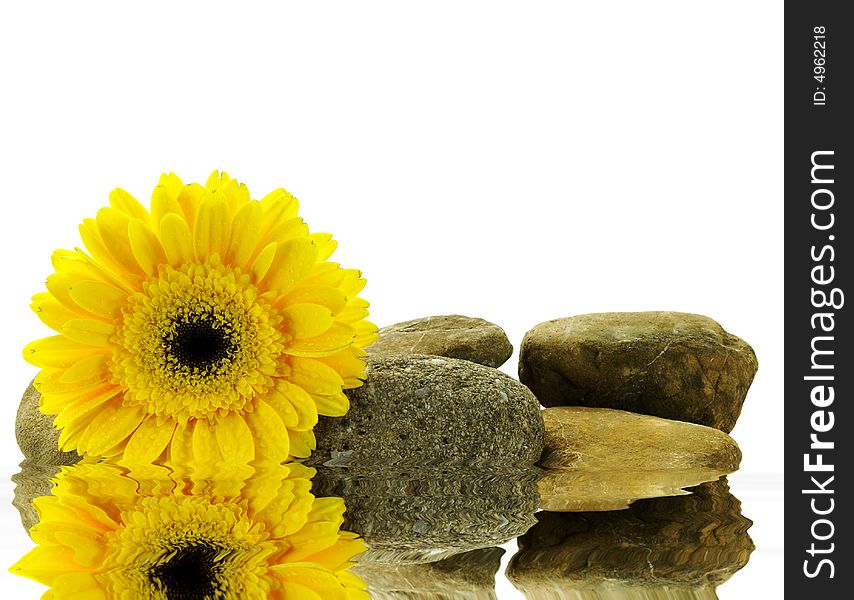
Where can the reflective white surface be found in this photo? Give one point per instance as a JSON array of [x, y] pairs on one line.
[[516, 163]]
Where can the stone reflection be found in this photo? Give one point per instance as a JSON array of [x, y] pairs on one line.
[[681, 548], [31, 482], [423, 515], [466, 576]]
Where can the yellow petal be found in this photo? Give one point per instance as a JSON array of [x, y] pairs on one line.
[[245, 233], [216, 180], [279, 205], [315, 578], [271, 438], [293, 591], [47, 381], [79, 263], [78, 586], [189, 200], [58, 285], [130, 206], [113, 424], [312, 538], [353, 282], [164, 198], [325, 273], [293, 261], [366, 333], [49, 511], [332, 406], [325, 245], [345, 363], [262, 263], [336, 338], [40, 563], [212, 231], [354, 584], [87, 552], [235, 439], [354, 312], [327, 509], [51, 311], [233, 193], [98, 298], [63, 393], [282, 405], [268, 490], [69, 436], [299, 471], [113, 227], [148, 442], [68, 412], [181, 446], [314, 377], [301, 402], [205, 447], [88, 370], [305, 320], [145, 246], [340, 556], [288, 230], [302, 443], [330, 297], [55, 351], [288, 512], [176, 239], [88, 331], [92, 239]]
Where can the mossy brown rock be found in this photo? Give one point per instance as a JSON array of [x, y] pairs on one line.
[[673, 365], [37, 438], [465, 576], [429, 410], [693, 542], [605, 459], [454, 336]]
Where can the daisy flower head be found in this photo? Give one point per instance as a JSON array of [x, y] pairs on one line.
[[105, 534], [210, 327]]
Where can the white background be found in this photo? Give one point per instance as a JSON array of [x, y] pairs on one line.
[[513, 161]]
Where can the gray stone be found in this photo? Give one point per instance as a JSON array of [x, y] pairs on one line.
[[691, 543], [673, 365], [466, 576], [605, 459], [37, 438], [454, 336], [429, 410], [421, 515]]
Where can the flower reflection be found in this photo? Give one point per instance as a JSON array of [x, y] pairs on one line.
[[108, 531]]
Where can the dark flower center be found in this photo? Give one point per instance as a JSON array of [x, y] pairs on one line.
[[191, 574], [201, 343]]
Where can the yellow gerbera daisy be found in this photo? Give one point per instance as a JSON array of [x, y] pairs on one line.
[[106, 534], [205, 327]]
